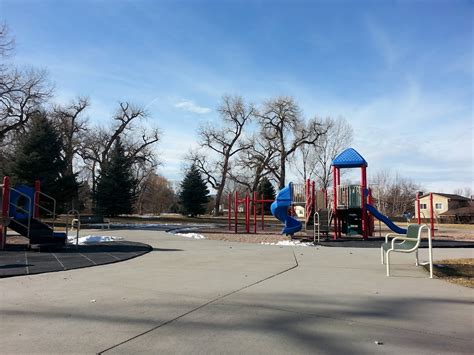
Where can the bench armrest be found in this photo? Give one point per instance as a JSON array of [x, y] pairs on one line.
[[391, 235], [402, 238]]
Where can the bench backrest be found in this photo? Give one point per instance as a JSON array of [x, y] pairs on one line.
[[413, 231]]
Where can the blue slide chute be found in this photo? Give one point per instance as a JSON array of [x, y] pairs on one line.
[[279, 209], [385, 220]]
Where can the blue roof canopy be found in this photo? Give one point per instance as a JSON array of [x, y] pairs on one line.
[[349, 158]]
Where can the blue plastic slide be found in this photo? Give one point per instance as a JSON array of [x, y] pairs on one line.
[[279, 209], [385, 220]]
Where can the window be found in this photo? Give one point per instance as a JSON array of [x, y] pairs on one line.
[[439, 206], [423, 206]]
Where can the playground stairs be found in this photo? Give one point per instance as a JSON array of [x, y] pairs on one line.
[[39, 234], [324, 227], [325, 217]]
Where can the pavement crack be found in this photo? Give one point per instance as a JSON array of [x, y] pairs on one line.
[[206, 304]]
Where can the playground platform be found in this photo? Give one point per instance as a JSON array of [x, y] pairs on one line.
[[17, 261], [204, 296]]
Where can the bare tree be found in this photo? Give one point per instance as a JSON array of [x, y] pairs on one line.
[[71, 125], [282, 124], [466, 192], [222, 144], [393, 194], [156, 196], [338, 137], [7, 43], [21, 94], [137, 142], [253, 164]]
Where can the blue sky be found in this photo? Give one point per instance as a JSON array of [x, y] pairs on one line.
[[401, 72]]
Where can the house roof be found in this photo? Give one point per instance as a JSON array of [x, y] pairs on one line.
[[349, 158], [451, 196]]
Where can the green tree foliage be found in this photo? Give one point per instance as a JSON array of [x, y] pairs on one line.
[[38, 157], [266, 188], [116, 185], [194, 193]]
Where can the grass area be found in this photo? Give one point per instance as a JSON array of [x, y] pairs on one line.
[[459, 271]]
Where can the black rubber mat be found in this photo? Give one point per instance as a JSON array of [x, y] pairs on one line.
[[19, 261]]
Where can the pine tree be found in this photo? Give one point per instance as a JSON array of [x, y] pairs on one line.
[[116, 185], [38, 157], [194, 193], [266, 188]]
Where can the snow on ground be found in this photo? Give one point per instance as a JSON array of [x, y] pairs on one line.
[[190, 235], [91, 239], [290, 243]]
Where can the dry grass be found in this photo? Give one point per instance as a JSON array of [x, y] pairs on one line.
[[459, 271]]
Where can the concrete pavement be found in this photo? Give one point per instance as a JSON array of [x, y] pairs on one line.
[[201, 296]]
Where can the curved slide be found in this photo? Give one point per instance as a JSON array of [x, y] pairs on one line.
[[385, 220], [279, 209]]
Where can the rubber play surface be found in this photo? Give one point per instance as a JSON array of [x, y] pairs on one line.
[[20, 261]]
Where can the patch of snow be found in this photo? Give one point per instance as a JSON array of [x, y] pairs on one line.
[[90, 239], [190, 235], [290, 243]]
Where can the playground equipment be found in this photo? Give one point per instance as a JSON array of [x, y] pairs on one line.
[[349, 209], [314, 203], [246, 203], [353, 210], [280, 208], [352, 204], [21, 206], [410, 242]]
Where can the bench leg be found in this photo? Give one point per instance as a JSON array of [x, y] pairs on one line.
[[388, 262], [382, 258], [416, 258]]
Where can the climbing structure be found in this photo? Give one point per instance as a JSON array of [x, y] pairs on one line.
[[353, 212]]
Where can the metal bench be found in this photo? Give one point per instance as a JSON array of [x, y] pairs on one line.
[[90, 220], [407, 243]]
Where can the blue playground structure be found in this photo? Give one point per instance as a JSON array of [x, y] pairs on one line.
[[280, 208], [20, 212]]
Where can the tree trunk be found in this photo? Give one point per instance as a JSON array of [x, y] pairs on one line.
[[281, 183]]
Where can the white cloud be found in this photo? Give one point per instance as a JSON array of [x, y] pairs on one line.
[[190, 106], [389, 51]]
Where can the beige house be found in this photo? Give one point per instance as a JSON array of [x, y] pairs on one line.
[[445, 206]]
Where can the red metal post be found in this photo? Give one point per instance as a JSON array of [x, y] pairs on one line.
[[247, 213], [313, 192], [263, 214], [229, 211], [6, 196], [365, 231], [236, 210], [371, 217], [432, 216], [418, 212], [255, 212], [5, 205]]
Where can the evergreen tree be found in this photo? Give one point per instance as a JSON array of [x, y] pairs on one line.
[[116, 185], [38, 157], [266, 188], [194, 193]]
